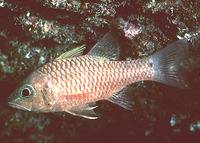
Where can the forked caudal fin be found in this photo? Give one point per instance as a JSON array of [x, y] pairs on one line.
[[167, 64]]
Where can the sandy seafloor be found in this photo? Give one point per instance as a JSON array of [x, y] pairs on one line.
[[34, 32]]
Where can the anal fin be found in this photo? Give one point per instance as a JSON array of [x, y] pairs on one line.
[[123, 98], [85, 111]]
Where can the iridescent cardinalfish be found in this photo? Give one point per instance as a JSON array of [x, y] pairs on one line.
[[74, 82]]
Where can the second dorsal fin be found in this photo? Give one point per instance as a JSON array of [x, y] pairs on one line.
[[107, 47]]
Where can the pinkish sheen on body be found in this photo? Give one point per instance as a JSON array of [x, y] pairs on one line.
[[73, 83]]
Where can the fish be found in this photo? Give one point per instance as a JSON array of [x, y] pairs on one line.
[[74, 82]]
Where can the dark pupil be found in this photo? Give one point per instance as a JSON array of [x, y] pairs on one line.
[[25, 92]]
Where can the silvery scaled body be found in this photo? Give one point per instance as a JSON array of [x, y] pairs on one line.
[[73, 83]]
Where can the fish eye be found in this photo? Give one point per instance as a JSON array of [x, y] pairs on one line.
[[26, 91]]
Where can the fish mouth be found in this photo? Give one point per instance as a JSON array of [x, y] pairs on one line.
[[14, 105]]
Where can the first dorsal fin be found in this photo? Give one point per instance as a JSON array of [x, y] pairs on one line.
[[78, 51], [107, 47], [85, 111]]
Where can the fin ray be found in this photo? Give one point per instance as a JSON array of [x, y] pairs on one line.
[[123, 98], [78, 51], [107, 47], [167, 64], [85, 111]]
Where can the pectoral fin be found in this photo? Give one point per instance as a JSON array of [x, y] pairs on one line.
[[85, 111]]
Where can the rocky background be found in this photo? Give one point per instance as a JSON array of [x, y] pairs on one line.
[[34, 32]]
